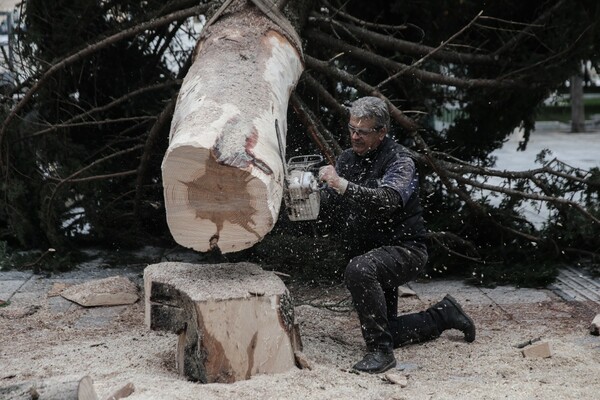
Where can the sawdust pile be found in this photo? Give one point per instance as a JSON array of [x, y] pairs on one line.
[[43, 338]]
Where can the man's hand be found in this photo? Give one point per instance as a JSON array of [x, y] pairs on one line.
[[329, 175]]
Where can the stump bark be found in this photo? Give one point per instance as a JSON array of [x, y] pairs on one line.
[[233, 320]]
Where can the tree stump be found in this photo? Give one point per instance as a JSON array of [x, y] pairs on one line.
[[233, 320]]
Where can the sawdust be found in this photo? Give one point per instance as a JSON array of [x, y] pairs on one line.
[[51, 342]]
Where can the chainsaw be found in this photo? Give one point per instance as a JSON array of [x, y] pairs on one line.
[[301, 191], [301, 188]]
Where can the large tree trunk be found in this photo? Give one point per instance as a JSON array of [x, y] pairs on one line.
[[577, 105], [222, 173], [233, 320]]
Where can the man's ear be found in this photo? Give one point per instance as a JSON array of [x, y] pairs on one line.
[[383, 133]]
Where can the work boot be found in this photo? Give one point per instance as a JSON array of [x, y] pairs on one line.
[[376, 362], [453, 317]]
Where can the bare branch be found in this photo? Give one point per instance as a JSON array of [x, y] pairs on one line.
[[429, 55], [324, 95], [367, 24], [527, 31], [330, 148], [364, 87], [380, 61], [404, 46], [108, 106]]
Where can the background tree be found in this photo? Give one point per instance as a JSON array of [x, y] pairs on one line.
[[84, 134]]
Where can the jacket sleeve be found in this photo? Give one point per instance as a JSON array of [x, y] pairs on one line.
[[381, 199], [393, 191]]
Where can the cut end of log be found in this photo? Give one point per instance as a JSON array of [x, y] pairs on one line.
[[206, 200]]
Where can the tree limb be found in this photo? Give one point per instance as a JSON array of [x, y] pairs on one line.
[[431, 54], [390, 43], [163, 119], [364, 87], [380, 61], [330, 147]]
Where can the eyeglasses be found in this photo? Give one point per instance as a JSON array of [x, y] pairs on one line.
[[362, 132]]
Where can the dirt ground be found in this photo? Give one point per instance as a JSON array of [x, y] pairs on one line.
[[44, 341]]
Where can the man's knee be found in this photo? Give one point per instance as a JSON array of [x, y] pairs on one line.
[[358, 270]]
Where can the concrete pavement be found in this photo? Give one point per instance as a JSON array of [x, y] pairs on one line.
[[25, 292]]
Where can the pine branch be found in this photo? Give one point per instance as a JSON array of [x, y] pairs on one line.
[[105, 107], [383, 62], [429, 55], [362, 86], [71, 177], [92, 48], [540, 21], [163, 119], [366, 24], [387, 42]]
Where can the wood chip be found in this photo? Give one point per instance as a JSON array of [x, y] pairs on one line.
[[122, 393], [595, 326], [113, 291], [403, 291], [302, 361], [537, 350], [57, 289], [397, 379]]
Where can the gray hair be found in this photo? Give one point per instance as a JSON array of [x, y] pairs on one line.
[[371, 107]]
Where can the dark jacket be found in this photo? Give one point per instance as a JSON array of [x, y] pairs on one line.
[[381, 204]]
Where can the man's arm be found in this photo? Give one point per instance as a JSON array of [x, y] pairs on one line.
[[395, 188], [381, 199]]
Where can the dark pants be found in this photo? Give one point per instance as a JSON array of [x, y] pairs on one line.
[[373, 279]]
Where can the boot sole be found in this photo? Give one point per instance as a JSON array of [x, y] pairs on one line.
[[381, 370], [377, 371], [468, 337]]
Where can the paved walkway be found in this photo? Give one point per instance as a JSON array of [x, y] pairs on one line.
[[23, 292]]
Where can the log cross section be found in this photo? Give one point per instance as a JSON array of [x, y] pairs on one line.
[[233, 320]]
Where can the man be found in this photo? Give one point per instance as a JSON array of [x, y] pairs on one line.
[[372, 197]]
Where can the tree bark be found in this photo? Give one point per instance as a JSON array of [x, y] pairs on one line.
[[233, 321], [222, 173], [577, 105]]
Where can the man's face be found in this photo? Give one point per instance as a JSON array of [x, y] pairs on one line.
[[365, 135]]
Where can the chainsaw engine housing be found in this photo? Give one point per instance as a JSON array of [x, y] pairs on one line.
[[301, 196]]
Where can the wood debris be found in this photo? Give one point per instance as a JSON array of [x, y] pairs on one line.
[[113, 291], [537, 350], [397, 379], [302, 361], [57, 288], [403, 291], [122, 393], [595, 326]]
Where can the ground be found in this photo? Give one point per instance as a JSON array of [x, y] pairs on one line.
[[48, 337]]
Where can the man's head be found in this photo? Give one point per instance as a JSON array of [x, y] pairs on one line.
[[369, 123]]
